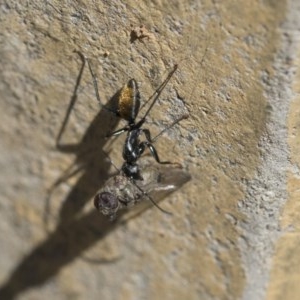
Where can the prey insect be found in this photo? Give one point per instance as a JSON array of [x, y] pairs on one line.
[[129, 198], [128, 108]]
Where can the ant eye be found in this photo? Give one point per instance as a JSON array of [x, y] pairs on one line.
[[106, 201]]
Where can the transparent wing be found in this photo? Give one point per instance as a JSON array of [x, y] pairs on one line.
[[159, 181], [122, 198]]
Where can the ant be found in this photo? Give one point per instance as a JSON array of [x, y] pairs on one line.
[[128, 108]]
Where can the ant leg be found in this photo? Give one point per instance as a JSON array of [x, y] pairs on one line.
[[185, 116], [149, 143], [118, 132], [73, 100], [110, 160], [84, 59], [95, 83], [148, 134], [158, 91], [96, 88], [150, 198], [153, 152]]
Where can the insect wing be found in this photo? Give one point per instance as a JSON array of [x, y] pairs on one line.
[[163, 181], [128, 198], [158, 182]]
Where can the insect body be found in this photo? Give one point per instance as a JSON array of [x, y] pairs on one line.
[[128, 109], [121, 193], [133, 147], [128, 188]]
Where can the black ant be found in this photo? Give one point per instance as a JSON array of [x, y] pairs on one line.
[[128, 108]]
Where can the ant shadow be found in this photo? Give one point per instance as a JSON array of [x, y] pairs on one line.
[[73, 234]]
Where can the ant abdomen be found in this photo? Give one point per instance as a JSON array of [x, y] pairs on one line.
[[129, 101]]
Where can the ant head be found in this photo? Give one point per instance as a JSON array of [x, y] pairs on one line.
[[107, 203]]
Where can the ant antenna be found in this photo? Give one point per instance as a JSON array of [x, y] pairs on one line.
[[158, 91], [110, 160], [185, 116]]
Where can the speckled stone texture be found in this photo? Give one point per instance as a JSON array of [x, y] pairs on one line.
[[229, 226]]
